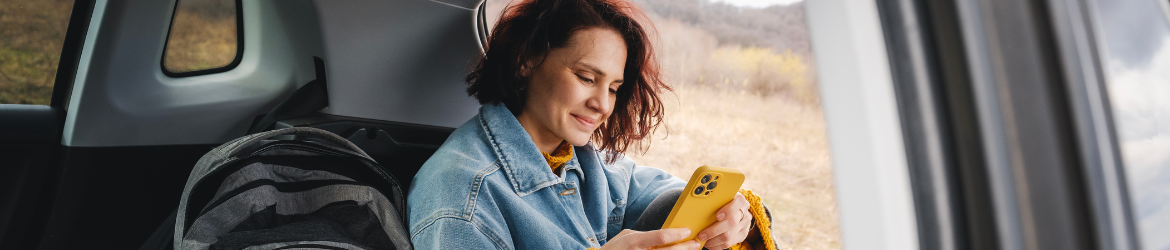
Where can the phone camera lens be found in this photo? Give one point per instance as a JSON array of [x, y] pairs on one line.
[[711, 185], [699, 190], [706, 178]]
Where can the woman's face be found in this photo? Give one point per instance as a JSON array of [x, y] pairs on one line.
[[574, 90]]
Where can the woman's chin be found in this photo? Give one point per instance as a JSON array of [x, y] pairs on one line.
[[578, 141]]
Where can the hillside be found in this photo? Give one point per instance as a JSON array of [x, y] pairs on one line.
[[778, 27]]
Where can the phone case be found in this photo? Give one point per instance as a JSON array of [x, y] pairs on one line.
[[709, 189]]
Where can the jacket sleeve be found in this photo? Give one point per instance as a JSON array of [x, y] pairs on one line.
[[456, 233], [646, 183]]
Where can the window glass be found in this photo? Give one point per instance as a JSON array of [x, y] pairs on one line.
[[745, 97], [202, 37], [31, 35], [1136, 35]]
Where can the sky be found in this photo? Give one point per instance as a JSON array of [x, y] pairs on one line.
[[1137, 54], [1140, 96], [757, 3]]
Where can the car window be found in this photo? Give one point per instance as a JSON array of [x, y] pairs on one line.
[[31, 35], [745, 96], [204, 38], [1136, 37]]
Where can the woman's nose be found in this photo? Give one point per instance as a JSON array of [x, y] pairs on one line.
[[599, 101]]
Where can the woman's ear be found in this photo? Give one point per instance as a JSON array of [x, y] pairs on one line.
[[531, 64], [526, 69]]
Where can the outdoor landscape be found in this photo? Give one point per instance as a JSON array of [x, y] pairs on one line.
[[744, 96], [203, 36], [31, 34]]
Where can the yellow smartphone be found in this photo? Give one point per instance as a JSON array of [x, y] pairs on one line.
[[709, 189]]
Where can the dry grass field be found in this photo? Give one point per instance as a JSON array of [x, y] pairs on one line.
[[203, 36], [31, 34]]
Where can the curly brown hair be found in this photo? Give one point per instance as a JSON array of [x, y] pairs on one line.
[[529, 29]]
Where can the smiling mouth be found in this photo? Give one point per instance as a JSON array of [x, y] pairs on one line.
[[585, 121]]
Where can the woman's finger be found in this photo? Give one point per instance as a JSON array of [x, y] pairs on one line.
[[736, 233], [660, 237], [716, 229], [739, 202], [739, 232], [728, 239], [719, 242], [685, 245], [624, 232], [747, 216], [746, 228], [732, 218], [740, 235]]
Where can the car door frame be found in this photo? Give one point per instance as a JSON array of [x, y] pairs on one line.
[[973, 103], [30, 137]]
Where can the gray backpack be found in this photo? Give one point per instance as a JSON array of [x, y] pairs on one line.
[[296, 187]]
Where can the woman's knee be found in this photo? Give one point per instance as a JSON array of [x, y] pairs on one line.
[[655, 214]]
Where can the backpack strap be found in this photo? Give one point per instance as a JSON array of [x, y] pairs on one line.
[[231, 150]]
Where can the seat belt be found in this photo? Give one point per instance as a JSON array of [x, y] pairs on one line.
[[311, 97]]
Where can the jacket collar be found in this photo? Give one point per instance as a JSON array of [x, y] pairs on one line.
[[522, 162]]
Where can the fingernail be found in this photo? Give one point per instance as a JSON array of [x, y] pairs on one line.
[[686, 232], [721, 216], [703, 236], [695, 245]]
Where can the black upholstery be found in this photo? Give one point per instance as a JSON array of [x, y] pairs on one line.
[[401, 148]]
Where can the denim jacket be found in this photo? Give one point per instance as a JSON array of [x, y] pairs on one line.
[[489, 187]]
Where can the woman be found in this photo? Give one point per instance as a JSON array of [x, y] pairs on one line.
[[566, 86]]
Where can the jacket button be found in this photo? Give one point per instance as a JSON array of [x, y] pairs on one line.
[[569, 191]]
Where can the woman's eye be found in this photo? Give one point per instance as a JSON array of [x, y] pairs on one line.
[[587, 80], [613, 91]]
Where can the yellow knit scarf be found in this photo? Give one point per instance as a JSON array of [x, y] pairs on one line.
[[559, 156]]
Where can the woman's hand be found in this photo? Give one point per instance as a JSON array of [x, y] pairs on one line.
[[733, 223], [630, 239]]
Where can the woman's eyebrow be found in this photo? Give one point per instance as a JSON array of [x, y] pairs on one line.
[[592, 68]]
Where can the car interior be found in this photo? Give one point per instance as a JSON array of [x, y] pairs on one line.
[[952, 124], [395, 89]]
